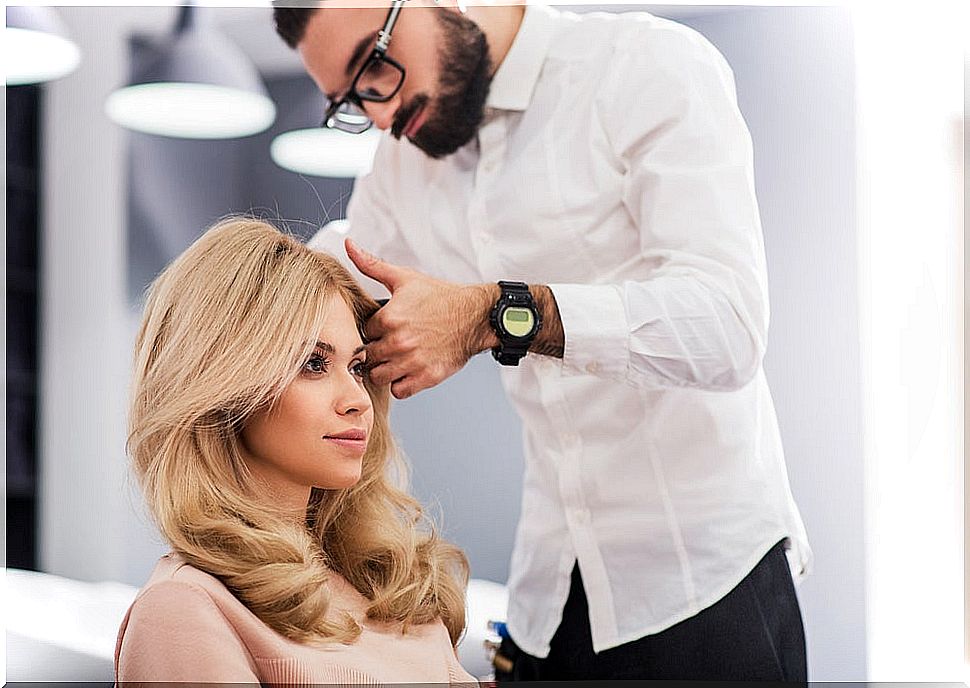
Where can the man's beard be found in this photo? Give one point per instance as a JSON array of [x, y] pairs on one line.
[[459, 107]]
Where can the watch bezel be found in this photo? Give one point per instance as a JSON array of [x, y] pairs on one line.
[[536, 322]]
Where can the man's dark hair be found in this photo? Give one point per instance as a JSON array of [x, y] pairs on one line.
[[291, 21]]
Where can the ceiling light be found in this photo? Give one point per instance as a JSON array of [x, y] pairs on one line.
[[36, 47], [194, 84], [325, 153]]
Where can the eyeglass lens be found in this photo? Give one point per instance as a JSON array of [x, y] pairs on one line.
[[379, 80]]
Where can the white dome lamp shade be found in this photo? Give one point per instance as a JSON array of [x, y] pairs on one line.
[[324, 152], [36, 47], [194, 84]]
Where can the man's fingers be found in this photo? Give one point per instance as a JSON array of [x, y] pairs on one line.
[[400, 389], [373, 330], [384, 373], [387, 274], [380, 325], [402, 385], [378, 352], [396, 346], [406, 379], [407, 387]]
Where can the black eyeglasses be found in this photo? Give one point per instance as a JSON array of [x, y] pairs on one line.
[[377, 81]]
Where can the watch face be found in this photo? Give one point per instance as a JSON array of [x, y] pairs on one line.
[[517, 321]]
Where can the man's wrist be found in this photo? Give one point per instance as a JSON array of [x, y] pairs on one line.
[[482, 299], [551, 340]]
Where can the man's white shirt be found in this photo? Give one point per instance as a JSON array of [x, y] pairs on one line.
[[614, 166]]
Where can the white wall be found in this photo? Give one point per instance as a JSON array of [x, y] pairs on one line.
[[87, 526], [912, 280]]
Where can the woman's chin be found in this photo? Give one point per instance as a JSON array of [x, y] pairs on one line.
[[340, 481]]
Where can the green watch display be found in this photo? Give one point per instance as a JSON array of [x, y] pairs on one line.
[[515, 320]]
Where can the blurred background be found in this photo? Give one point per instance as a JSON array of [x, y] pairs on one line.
[[859, 153]]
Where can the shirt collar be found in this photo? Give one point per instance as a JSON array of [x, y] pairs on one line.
[[516, 77]]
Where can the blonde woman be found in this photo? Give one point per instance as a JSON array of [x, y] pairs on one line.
[[266, 459]]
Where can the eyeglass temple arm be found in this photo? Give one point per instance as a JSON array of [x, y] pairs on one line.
[[384, 35]]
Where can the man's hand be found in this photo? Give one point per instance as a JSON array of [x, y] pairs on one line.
[[429, 328]]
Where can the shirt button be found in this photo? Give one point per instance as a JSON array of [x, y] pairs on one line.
[[592, 367]]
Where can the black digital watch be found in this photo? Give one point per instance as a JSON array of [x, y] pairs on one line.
[[515, 320]]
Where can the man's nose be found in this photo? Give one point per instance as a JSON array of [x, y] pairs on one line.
[[382, 114]]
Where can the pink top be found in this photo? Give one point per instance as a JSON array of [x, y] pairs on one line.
[[185, 625]]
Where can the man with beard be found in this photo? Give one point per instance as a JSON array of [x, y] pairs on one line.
[[598, 168]]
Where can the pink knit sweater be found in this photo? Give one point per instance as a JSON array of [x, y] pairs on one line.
[[185, 625]]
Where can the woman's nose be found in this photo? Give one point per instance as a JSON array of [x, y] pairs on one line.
[[354, 399]]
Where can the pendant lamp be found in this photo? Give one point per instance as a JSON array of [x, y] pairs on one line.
[[36, 47], [194, 83], [324, 152]]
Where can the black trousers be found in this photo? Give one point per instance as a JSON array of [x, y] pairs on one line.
[[754, 633]]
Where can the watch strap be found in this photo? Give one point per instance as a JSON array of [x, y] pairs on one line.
[[510, 354]]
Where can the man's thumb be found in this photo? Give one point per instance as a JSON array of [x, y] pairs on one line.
[[372, 266]]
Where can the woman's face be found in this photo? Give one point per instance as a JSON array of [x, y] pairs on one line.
[[315, 436]]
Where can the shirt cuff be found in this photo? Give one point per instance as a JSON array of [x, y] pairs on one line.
[[595, 327]]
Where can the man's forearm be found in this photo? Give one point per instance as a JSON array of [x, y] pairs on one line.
[[550, 340]]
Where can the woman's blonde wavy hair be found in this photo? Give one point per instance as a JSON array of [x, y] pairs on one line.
[[226, 328]]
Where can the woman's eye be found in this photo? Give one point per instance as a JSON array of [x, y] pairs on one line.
[[359, 369], [316, 365]]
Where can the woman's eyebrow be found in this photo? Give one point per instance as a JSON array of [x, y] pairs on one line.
[[328, 348]]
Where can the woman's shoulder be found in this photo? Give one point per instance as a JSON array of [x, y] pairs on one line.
[[176, 590], [175, 583], [180, 595], [175, 575], [181, 627], [185, 621]]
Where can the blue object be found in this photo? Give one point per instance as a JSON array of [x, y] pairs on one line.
[[499, 628]]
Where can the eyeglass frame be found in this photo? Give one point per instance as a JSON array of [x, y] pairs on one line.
[[378, 54]]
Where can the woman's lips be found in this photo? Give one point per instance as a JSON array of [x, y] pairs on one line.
[[355, 440], [355, 445]]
